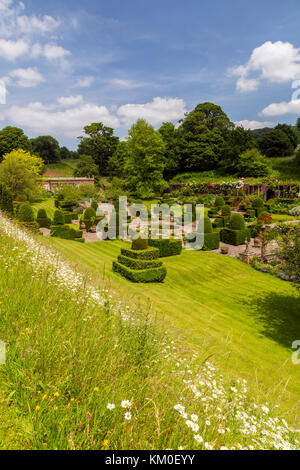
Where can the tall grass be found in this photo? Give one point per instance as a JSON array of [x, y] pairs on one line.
[[85, 372]]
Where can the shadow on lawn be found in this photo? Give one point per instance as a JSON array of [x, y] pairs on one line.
[[279, 315]]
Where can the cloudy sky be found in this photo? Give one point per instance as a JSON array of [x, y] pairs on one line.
[[67, 63]]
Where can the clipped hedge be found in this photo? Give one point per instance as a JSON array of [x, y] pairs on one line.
[[139, 264], [149, 254], [25, 213], [235, 237], [219, 202], [59, 218], [237, 222], [211, 241], [167, 248], [65, 232], [42, 219], [70, 216], [141, 276], [139, 244]]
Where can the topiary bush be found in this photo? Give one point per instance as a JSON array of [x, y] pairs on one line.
[[6, 199], [42, 219], [237, 222], [141, 276], [219, 202], [226, 211], [25, 213], [149, 254], [207, 225], [140, 265], [211, 239], [59, 218], [167, 248], [258, 205], [95, 205], [66, 233], [139, 244], [89, 218]]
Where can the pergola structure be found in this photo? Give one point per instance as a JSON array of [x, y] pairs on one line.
[[53, 184]]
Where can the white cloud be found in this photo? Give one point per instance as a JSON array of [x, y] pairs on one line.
[[277, 62], [84, 82], [50, 51], [69, 115], [68, 122], [26, 78], [254, 124], [155, 112], [11, 50], [279, 109], [69, 101], [127, 84], [12, 23]]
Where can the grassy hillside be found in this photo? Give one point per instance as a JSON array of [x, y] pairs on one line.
[[246, 319], [84, 371], [64, 168]]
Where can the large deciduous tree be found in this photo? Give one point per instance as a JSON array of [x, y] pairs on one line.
[[47, 148], [202, 137], [172, 153], [275, 143], [12, 138], [100, 143], [146, 162], [86, 167]]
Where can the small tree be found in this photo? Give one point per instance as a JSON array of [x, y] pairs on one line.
[[25, 213], [6, 199]]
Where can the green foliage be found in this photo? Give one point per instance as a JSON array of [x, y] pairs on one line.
[[275, 144], [149, 254], [234, 237], [252, 163], [219, 202], [289, 131], [145, 164], [207, 225], [116, 163], [86, 168], [226, 211], [172, 148], [211, 241], [6, 199], [167, 248], [139, 264], [42, 219], [47, 148], [59, 218], [25, 213], [66, 233], [238, 141], [100, 142], [95, 205], [89, 213], [139, 244], [13, 138], [237, 222], [141, 276]]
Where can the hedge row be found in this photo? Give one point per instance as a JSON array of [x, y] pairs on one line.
[[235, 237], [170, 247], [139, 264], [67, 233], [147, 275], [211, 242], [149, 254]]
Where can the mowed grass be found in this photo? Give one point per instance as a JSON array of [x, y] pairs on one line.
[[246, 319], [65, 168], [48, 205]]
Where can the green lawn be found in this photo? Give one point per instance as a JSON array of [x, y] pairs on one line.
[[64, 168], [48, 205], [246, 319]]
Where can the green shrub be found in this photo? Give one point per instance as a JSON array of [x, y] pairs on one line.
[[221, 222], [59, 218], [258, 203], [42, 219], [139, 244], [25, 213], [219, 202], [237, 222], [65, 232], [207, 225], [6, 199], [211, 241], [139, 264], [95, 205], [32, 226], [70, 216], [89, 213], [226, 211], [149, 254], [141, 276], [170, 247], [235, 237]]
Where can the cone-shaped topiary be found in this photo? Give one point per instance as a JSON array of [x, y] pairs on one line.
[[237, 222], [89, 213], [42, 214], [25, 213], [42, 219], [59, 218], [226, 211], [207, 225], [219, 202]]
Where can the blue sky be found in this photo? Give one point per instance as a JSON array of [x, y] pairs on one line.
[[68, 63]]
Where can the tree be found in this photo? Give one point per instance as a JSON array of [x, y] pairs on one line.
[[12, 138], [237, 141], [202, 137], [65, 153], [252, 163], [289, 131], [19, 170], [145, 164], [47, 148], [172, 153], [100, 143], [86, 168], [116, 163], [275, 144], [6, 199]]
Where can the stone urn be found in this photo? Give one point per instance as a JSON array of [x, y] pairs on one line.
[[225, 250], [82, 226]]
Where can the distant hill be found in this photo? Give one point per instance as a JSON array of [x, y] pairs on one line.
[[257, 133]]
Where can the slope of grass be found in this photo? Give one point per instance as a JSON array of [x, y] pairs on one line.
[[249, 319], [65, 168], [48, 205]]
